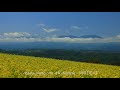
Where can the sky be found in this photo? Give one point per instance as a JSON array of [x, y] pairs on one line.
[[17, 25]]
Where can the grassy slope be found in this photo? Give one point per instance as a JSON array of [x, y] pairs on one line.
[[15, 66]]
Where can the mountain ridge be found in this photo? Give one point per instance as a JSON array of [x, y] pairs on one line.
[[83, 36]]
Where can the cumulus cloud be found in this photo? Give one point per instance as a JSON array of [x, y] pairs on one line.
[[78, 27], [46, 29], [75, 27], [50, 30], [72, 40], [27, 37], [41, 25], [17, 34], [54, 36], [118, 36], [84, 40]]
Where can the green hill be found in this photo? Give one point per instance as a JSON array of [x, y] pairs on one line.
[[16, 66]]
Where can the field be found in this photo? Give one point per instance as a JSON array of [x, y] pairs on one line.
[[89, 56], [16, 66]]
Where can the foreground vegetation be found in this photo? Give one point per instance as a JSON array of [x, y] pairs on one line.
[[15, 66], [91, 56]]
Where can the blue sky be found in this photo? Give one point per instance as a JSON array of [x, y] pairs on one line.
[[105, 24]]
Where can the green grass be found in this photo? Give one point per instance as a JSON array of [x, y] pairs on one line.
[[16, 66]]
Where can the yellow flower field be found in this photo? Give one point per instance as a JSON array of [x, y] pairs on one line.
[[16, 66]]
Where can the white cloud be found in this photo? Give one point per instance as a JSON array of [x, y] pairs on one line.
[[41, 25], [72, 40], [75, 27], [118, 36], [27, 37], [17, 34], [54, 36], [78, 27], [84, 40], [50, 30], [46, 29]]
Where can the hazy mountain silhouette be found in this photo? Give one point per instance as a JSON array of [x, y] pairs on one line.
[[84, 36]]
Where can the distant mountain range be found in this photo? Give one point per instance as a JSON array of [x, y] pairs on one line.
[[90, 36], [84, 36], [61, 45], [113, 46]]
